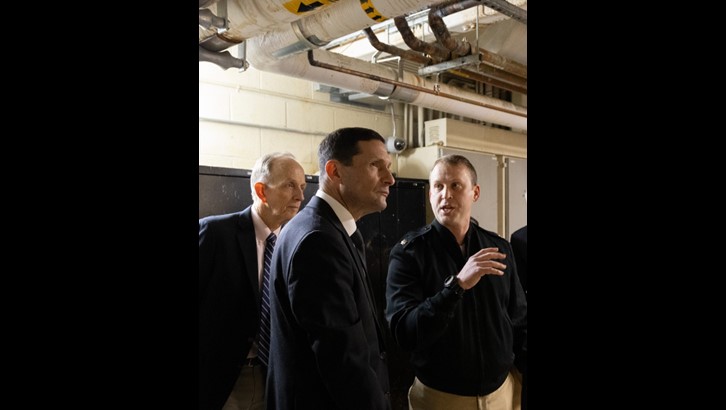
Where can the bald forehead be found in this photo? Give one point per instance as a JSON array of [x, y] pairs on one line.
[[283, 168]]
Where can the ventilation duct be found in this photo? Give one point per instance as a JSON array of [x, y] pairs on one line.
[[249, 18], [287, 42]]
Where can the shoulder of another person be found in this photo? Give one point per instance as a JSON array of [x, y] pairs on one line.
[[520, 232], [488, 234], [411, 236], [221, 219]]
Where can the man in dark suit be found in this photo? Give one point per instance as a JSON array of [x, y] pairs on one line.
[[519, 248], [231, 249], [327, 348]]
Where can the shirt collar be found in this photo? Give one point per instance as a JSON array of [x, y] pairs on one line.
[[262, 231], [345, 217]]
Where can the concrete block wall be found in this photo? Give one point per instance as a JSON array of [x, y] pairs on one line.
[[244, 115]]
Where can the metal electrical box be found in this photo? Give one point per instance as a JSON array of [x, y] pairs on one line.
[[474, 137]]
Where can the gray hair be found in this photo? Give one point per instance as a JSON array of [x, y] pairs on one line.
[[262, 170]]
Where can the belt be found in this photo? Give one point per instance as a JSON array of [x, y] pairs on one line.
[[252, 362]]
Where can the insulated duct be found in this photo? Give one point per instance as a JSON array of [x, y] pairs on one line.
[[344, 72], [282, 52], [248, 18], [287, 42]]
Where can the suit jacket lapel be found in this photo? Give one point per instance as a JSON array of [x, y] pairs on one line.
[[327, 212], [362, 272], [248, 244]]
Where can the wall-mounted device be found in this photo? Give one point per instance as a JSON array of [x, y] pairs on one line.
[[395, 145]]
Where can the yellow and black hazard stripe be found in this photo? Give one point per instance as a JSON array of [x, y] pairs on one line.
[[304, 6], [370, 10]]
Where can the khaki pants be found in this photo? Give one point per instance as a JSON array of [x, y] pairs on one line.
[[506, 397], [249, 390]]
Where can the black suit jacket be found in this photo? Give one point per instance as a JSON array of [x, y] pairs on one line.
[[519, 247], [327, 349], [228, 302]]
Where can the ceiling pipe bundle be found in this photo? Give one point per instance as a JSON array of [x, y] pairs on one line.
[[292, 49], [249, 18]]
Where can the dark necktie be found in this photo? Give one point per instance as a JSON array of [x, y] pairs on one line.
[[357, 238], [263, 339]]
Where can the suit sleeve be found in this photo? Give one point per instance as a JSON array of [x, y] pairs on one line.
[[206, 254], [517, 311], [519, 247], [323, 288]]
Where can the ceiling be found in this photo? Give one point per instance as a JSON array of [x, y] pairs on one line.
[[458, 56], [497, 34]]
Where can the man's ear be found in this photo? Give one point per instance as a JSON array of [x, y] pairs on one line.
[[332, 169], [260, 190], [477, 192]]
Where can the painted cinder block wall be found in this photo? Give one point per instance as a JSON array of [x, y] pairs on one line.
[[243, 115]]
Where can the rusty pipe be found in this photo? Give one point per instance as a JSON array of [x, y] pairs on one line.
[[508, 9], [206, 3], [406, 54], [315, 63], [436, 21], [223, 59], [207, 19], [492, 77], [502, 63], [436, 51]]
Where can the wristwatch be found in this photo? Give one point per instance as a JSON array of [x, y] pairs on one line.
[[452, 283]]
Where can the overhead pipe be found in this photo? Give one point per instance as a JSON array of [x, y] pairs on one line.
[[435, 50], [249, 18], [439, 53], [310, 26], [211, 48], [430, 95], [353, 74], [207, 19], [497, 70], [503, 63], [513, 74], [497, 78], [508, 9], [436, 21], [347, 16], [223, 59], [206, 3], [281, 52], [406, 54], [215, 43], [236, 22]]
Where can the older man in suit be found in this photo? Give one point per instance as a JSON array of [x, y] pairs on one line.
[[327, 347], [231, 252]]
